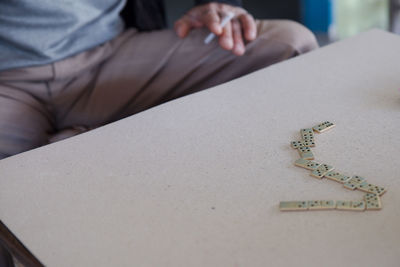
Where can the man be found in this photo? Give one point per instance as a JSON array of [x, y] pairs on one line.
[[68, 66]]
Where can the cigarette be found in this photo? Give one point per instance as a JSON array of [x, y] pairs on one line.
[[224, 21]]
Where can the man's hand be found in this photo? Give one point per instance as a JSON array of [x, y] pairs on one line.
[[210, 15]]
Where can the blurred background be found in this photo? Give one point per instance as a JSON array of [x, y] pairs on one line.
[[330, 20]]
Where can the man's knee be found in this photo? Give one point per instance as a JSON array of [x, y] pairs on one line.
[[289, 32]]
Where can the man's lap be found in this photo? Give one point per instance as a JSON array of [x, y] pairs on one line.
[[137, 71]]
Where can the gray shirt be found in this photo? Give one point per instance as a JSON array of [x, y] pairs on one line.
[[36, 32]]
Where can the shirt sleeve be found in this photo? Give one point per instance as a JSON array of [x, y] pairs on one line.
[[229, 2]]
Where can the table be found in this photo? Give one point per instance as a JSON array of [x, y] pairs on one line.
[[197, 181]]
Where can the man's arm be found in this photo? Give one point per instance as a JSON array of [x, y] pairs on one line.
[[209, 14]]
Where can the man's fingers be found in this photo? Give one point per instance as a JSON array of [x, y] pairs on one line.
[[211, 19], [238, 44], [182, 27], [225, 39], [249, 26]]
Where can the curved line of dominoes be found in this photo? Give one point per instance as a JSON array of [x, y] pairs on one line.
[[371, 200]]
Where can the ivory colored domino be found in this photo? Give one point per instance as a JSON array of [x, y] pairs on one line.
[[321, 170], [358, 205], [343, 205], [322, 127], [293, 205], [297, 144], [373, 201], [370, 188], [306, 164], [307, 134], [337, 177], [350, 205], [321, 205], [328, 205], [305, 153], [354, 182], [314, 205]]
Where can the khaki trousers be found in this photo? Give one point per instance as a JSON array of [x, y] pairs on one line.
[[127, 75]]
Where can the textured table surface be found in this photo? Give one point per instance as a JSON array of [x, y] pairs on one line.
[[197, 181]]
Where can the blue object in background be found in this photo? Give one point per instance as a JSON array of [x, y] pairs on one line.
[[317, 15]]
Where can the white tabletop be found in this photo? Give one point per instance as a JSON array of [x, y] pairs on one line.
[[197, 181]]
